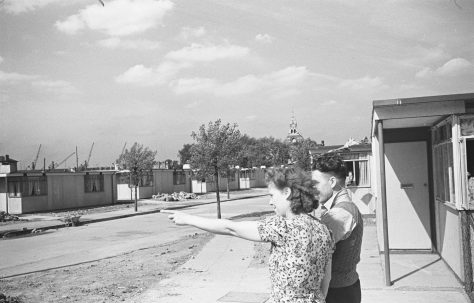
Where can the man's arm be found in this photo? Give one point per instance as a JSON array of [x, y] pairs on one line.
[[340, 222]]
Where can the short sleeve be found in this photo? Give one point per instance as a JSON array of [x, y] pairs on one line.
[[272, 229], [340, 222]]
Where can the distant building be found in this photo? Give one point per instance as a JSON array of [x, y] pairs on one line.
[[357, 156], [7, 165], [35, 191], [293, 134]]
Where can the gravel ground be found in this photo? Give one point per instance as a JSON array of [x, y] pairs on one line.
[[116, 279]]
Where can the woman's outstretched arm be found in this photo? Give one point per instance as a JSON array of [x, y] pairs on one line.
[[244, 229]]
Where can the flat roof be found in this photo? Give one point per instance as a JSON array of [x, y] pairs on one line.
[[426, 99]]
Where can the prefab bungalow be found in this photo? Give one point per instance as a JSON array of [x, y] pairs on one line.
[[162, 180], [424, 154], [38, 191]]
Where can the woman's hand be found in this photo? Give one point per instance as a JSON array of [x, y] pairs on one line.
[[178, 218]]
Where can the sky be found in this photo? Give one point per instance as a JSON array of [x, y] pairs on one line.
[[74, 73]]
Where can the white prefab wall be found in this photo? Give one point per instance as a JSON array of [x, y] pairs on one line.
[[449, 237]]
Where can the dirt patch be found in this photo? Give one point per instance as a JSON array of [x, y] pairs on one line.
[[116, 279]]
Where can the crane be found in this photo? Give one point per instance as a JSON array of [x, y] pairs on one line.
[[57, 165], [123, 149], [89, 157], [33, 164]]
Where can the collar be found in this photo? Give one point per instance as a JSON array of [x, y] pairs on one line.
[[330, 202], [334, 198]]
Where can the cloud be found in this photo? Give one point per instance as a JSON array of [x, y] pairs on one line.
[[251, 117], [23, 6], [176, 61], [117, 43], [58, 87], [202, 53], [193, 104], [364, 83], [146, 76], [453, 67], [15, 77], [420, 56], [277, 83], [119, 18], [264, 38], [188, 33], [1, 59]]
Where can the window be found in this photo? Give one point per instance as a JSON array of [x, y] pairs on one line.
[[443, 162], [93, 183], [231, 176], [248, 174], [147, 179], [27, 186], [252, 174], [357, 173], [179, 177]]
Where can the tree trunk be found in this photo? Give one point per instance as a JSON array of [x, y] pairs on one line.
[[217, 194], [228, 192], [136, 199]]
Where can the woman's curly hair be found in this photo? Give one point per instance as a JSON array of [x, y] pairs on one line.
[[303, 192]]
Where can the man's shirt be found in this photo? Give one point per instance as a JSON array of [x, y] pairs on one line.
[[339, 221]]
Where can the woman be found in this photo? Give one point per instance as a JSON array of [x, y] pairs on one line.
[[301, 246]]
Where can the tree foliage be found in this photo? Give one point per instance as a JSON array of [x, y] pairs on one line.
[[266, 151], [300, 153], [215, 150], [139, 160], [184, 154]]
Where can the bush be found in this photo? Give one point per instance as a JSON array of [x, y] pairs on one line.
[[8, 299]]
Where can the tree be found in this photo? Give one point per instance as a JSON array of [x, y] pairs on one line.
[[139, 161], [215, 151], [300, 153], [184, 154], [266, 151], [273, 151]]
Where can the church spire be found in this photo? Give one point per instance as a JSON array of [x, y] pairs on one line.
[[293, 135]]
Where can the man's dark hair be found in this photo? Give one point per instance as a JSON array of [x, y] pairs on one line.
[[331, 163]]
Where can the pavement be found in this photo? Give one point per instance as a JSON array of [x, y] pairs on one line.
[[225, 270]]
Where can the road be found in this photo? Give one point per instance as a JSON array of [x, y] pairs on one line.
[[75, 245]]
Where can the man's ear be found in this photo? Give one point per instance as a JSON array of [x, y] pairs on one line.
[[333, 182]]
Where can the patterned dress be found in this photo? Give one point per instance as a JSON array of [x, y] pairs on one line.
[[301, 248]]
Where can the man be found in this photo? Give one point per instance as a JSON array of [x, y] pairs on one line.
[[344, 220]]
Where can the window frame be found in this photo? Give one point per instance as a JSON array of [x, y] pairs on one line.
[[179, 177], [354, 174], [89, 188], [443, 155], [22, 186]]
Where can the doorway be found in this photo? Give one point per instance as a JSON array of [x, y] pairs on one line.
[[408, 207]]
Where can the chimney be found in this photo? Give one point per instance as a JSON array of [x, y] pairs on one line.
[[7, 157]]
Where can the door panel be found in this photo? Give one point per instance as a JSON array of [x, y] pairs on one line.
[[406, 168]]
